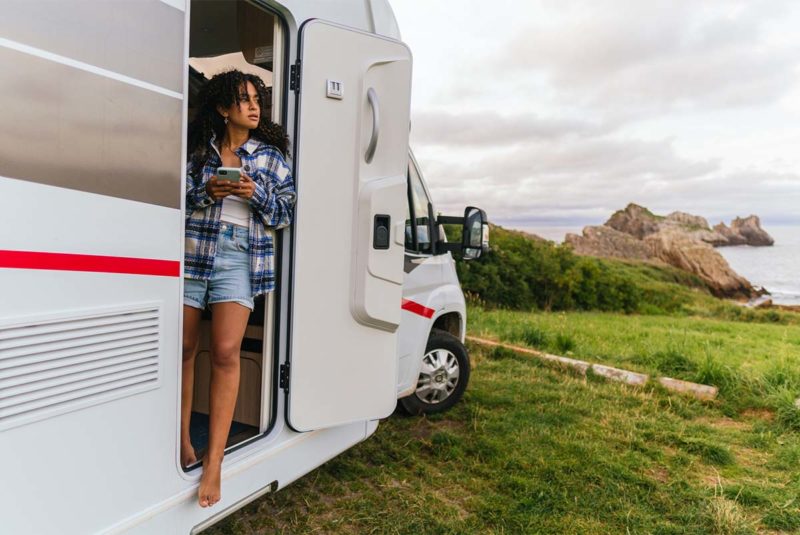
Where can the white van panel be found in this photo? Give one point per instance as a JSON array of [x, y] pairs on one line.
[[430, 290], [60, 220], [378, 274], [87, 429], [343, 370], [246, 474], [104, 440]]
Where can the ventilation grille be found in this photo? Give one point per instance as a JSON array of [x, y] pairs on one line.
[[49, 367]]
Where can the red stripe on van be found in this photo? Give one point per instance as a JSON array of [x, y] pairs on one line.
[[93, 263], [416, 308]]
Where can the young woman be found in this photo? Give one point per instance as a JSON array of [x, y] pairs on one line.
[[229, 256]]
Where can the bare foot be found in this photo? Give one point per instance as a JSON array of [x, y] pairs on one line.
[[208, 493], [188, 456]]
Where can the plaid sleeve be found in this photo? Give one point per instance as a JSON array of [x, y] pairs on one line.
[[197, 197], [274, 197]]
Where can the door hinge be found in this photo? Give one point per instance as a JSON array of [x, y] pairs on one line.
[[294, 76], [283, 376]]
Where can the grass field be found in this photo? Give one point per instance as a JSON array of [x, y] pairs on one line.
[[534, 450], [667, 344], [756, 365]]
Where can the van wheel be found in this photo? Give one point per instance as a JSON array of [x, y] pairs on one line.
[[443, 377]]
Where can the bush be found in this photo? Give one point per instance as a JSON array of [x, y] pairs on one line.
[[524, 273], [565, 343], [712, 372], [535, 337]]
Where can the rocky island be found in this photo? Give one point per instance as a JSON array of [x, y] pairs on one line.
[[679, 239]]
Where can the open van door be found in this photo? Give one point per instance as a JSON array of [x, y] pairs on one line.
[[350, 166]]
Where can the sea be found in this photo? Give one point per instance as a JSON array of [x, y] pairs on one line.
[[774, 268]]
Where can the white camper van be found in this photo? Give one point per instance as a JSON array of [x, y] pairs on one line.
[[367, 308]]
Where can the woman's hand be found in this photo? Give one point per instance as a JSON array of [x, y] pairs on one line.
[[244, 188], [218, 189]]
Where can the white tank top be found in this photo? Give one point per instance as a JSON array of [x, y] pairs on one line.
[[236, 211]]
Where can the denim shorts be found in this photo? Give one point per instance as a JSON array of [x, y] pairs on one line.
[[230, 278]]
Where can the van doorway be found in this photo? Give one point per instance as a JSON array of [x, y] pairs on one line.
[[224, 35]]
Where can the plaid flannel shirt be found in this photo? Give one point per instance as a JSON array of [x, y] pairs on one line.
[[272, 206]]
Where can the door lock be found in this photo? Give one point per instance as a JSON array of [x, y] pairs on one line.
[[380, 234]]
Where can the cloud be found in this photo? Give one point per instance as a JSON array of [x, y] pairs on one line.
[[572, 174], [636, 58], [492, 129], [587, 179], [584, 106]]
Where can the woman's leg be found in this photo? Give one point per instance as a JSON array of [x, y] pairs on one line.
[[191, 336], [229, 321]]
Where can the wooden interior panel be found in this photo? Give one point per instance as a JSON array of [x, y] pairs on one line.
[[248, 402]]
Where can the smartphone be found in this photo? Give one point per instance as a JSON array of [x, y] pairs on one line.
[[231, 174]]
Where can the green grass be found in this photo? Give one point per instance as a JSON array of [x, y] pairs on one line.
[[755, 365], [536, 450], [667, 344]]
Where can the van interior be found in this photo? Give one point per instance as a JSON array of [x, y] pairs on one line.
[[227, 34]]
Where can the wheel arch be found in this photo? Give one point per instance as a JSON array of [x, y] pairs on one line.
[[451, 322], [451, 311]]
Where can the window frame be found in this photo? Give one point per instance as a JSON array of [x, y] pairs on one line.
[[412, 210]]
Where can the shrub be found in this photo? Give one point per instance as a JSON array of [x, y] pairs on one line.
[[535, 337], [524, 273], [712, 372], [564, 343]]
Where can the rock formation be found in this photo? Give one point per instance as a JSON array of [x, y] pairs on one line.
[[640, 222], [745, 231], [610, 243], [635, 220], [687, 220], [681, 250], [731, 236], [681, 240], [696, 226]]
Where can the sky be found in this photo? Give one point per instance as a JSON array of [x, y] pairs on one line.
[[556, 113]]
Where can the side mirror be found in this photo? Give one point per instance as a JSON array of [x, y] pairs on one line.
[[475, 233]]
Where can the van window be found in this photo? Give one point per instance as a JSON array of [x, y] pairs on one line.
[[418, 203]]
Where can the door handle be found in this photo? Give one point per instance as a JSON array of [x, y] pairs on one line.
[[380, 231], [372, 97]]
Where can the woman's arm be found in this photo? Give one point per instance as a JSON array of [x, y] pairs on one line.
[[274, 195], [197, 196], [200, 194]]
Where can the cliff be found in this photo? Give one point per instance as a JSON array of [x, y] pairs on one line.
[[679, 239]]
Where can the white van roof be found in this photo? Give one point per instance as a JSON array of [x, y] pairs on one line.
[[374, 16]]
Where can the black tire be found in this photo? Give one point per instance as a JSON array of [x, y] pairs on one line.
[[423, 401]]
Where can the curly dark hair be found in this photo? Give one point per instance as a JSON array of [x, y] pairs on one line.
[[224, 90]]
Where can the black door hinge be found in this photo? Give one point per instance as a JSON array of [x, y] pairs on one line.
[[283, 376], [294, 77]]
